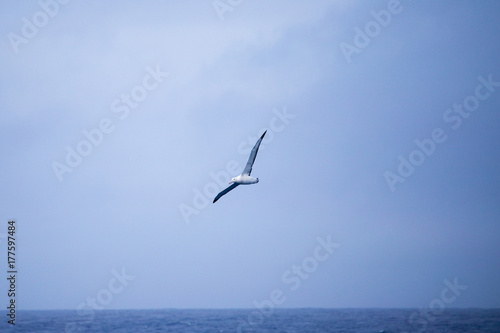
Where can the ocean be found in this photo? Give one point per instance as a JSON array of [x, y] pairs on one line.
[[254, 320]]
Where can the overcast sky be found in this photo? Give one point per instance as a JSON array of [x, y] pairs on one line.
[[121, 122]]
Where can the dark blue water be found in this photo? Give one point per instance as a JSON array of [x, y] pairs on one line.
[[253, 320]]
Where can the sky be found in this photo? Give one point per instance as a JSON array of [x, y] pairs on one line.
[[379, 182]]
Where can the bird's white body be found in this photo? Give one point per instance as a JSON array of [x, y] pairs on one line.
[[244, 180]]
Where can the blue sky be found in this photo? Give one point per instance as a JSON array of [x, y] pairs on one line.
[[202, 87]]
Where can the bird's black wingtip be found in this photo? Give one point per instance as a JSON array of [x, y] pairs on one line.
[[263, 134]]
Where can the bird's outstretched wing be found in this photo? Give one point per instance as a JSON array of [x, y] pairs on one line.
[[253, 154], [229, 188]]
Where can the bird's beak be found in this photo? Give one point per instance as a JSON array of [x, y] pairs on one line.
[[230, 182]]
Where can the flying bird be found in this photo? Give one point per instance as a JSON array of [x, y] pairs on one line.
[[244, 178]]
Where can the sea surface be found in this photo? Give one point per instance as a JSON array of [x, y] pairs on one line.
[[254, 320]]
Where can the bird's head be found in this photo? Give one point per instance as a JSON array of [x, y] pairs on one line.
[[232, 180]]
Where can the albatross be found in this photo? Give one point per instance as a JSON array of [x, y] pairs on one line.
[[244, 178]]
